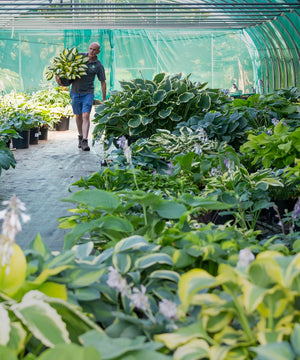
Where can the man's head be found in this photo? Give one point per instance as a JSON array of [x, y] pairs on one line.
[[94, 50]]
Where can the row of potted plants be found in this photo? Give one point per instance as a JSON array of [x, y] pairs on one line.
[[25, 118]]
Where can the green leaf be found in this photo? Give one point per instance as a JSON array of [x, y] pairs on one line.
[[146, 120], [134, 242], [86, 294], [159, 95], [158, 78], [274, 351], [182, 336], [42, 320], [17, 337], [186, 161], [135, 121], [110, 348], [7, 354], [5, 325], [122, 262], [253, 296], [40, 246], [205, 101], [70, 351], [185, 97], [97, 199], [165, 112], [175, 117], [170, 209], [111, 222], [6, 159], [295, 339], [166, 275], [205, 203], [152, 259], [84, 277], [196, 349], [192, 282]]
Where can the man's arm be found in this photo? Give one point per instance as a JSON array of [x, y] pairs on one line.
[[58, 80], [103, 88], [62, 81]]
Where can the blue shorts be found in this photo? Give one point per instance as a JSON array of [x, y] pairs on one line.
[[81, 102]]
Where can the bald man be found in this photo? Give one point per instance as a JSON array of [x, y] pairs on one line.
[[82, 94]]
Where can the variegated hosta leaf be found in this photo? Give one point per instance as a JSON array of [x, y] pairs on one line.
[[5, 325], [195, 349], [41, 319], [69, 64], [17, 337]]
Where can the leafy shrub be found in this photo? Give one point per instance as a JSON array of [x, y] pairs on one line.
[[143, 106], [242, 312], [275, 150]]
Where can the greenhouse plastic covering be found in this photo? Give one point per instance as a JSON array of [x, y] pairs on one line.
[[243, 46]]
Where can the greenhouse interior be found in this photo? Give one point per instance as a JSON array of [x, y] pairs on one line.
[[150, 179]]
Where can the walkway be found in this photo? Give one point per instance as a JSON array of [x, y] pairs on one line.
[[42, 177]]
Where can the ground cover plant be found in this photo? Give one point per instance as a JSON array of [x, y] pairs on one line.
[[171, 252]]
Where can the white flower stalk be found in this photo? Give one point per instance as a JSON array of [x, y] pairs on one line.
[[116, 281], [202, 135], [123, 143], [168, 309], [139, 299], [215, 172], [198, 149], [11, 226], [245, 258]]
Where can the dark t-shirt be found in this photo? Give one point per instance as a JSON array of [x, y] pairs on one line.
[[85, 85]]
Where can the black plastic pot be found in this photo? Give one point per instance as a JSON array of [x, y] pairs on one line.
[[23, 141], [43, 133], [34, 136], [63, 123]]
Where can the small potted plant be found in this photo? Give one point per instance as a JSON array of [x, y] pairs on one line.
[[55, 107]]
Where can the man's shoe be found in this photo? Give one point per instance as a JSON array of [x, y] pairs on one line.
[[84, 145], [79, 141]]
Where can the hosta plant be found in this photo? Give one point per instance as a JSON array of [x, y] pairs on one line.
[[69, 65], [276, 150], [245, 312], [143, 106]]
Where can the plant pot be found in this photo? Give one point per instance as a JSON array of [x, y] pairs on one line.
[[34, 136], [43, 133], [23, 141], [63, 123]]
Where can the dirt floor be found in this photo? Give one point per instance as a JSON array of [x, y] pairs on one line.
[[42, 177]]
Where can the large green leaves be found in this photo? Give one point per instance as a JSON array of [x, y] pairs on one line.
[[96, 199], [42, 320], [110, 348], [192, 282], [70, 351], [7, 158], [274, 351]]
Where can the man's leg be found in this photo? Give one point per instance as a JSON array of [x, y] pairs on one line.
[[85, 124], [85, 131], [78, 118]]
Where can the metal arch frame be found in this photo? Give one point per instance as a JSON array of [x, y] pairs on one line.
[[275, 57], [222, 12], [264, 57], [269, 57], [293, 42], [282, 52]]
